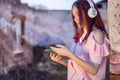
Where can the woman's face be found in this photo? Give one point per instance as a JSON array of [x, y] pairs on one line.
[[75, 13]]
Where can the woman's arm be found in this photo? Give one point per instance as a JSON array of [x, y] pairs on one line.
[[89, 67], [58, 59], [63, 62]]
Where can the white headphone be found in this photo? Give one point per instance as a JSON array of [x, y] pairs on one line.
[[92, 12]]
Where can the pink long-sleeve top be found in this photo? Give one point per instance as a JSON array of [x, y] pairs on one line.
[[90, 51]]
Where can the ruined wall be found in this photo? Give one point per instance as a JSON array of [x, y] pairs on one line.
[[8, 60], [114, 34], [42, 27]]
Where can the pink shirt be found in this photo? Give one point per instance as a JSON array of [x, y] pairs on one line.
[[90, 51]]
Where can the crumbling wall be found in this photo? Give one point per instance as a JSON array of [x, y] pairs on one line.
[[114, 34]]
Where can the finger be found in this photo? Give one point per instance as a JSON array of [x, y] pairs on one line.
[[61, 46], [58, 45], [57, 56], [51, 56], [54, 49], [54, 55]]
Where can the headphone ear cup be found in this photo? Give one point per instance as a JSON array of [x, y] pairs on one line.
[[92, 12]]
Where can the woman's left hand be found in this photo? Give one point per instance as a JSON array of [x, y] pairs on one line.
[[61, 50]]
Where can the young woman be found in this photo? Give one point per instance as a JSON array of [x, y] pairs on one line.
[[90, 48]]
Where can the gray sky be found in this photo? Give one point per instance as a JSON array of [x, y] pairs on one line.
[[53, 4]]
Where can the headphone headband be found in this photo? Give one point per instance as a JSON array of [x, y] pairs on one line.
[[90, 3]]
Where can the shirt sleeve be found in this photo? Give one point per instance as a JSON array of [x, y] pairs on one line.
[[97, 51]]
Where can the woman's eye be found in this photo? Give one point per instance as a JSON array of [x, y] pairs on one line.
[[76, 16]]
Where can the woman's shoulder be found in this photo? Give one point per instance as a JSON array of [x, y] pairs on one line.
[[98, 36], [97, 41]]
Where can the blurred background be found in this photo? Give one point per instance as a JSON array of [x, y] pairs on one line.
[[32, 26]]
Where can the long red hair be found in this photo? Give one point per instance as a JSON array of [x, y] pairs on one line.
[[85, 21]]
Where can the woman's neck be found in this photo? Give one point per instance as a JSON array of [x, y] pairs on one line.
[[94, 28]]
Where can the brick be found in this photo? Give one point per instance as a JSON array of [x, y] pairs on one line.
[[115, 68], [115, 58], [114, 77]]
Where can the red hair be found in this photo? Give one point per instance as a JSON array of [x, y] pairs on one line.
[[85, 20]]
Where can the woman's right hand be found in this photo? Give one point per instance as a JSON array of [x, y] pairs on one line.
[[55, 57]]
